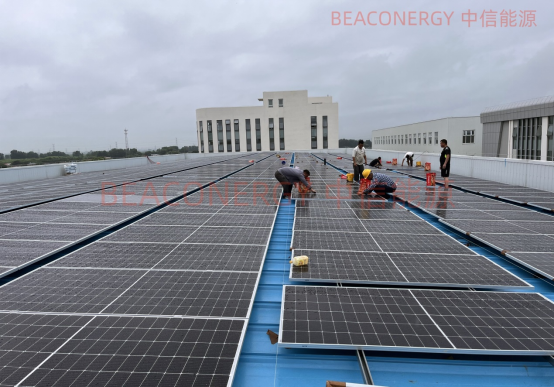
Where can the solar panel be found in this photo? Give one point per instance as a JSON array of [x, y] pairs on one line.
[[333, 240], [309, 212], [412, 227], [524, 243], [322, 224], [174, 219], [116, 255], [231, 235], [417, 320], [404, 268], [186, 293], [346, 266], [32, 216], [420, 244], [66, 290], [118, 350], [540, 227], [97, 217], [486, 226], [214, 257], [522, 215], [228, 220], [473, 271], [540, 262], [385, 214], [55, 232], [155, 234], [463, 214], [11, 227]]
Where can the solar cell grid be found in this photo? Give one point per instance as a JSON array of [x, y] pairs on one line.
[[464, 270], [116, 255], [322, 224], [523, 243], [420, 244], [356, 316], [417, 320], [334, 240], [542, 262], [104, 218], [174, 219], [241, 220], [214, 257], [522, 215], [412, 227], [487, 226], [155, 234], [28, 340], [230, 235], [66, 290], [134, 351], [375, 214], [218, 294], [55, 232]]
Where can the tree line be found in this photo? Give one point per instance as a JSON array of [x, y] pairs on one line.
[[351, 143], [17, 157]]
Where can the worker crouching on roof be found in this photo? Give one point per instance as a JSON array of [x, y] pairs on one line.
[[380, 183], [288, 176]]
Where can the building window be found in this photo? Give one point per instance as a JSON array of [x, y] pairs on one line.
[[419, 138], [237, 136], [248, 136], [325, 132], [424, 138], [436, 138], [220, 136], [210, 136], [314, 131], [430, 138], [281, 133], [550, 139], [270, 103], [280, 102], [201, 130], [258, 135], [228, 135], [528, 137], [410, 139], [469, 137], [271, 135]]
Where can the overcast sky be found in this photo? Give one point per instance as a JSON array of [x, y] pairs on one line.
[[77, 73]]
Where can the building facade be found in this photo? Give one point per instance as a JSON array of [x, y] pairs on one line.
[[520, 130], [464, 136], [287, 120]]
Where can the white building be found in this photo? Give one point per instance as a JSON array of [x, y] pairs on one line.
[[287, 120], [464, 136]]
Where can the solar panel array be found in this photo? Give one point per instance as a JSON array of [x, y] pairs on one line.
[[445, 321], [29, 235], [16, 195], [356, 242], [162, 301], [373, 242], [524, 235]]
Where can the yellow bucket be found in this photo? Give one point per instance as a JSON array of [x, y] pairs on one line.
[[350, 177], [418, 163]]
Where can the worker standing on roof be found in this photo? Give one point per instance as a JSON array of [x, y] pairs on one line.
[[358, 160], [380, 183], [445, 162], [376, 163], [288, 176], [409, 157]]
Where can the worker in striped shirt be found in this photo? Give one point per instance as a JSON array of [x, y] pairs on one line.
[[380, 183]]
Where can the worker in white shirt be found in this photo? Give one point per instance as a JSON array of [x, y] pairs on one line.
[[358, 160], [409, 157]]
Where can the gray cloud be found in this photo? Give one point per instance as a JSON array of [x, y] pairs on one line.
[[77, 74]]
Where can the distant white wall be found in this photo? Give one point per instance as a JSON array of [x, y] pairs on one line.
[[37, 172], [527, 173]]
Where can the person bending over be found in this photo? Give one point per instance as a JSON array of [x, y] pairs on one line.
[[380, 183], [288, 176]]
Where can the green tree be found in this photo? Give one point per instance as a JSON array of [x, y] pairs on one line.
[[77, 154]]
